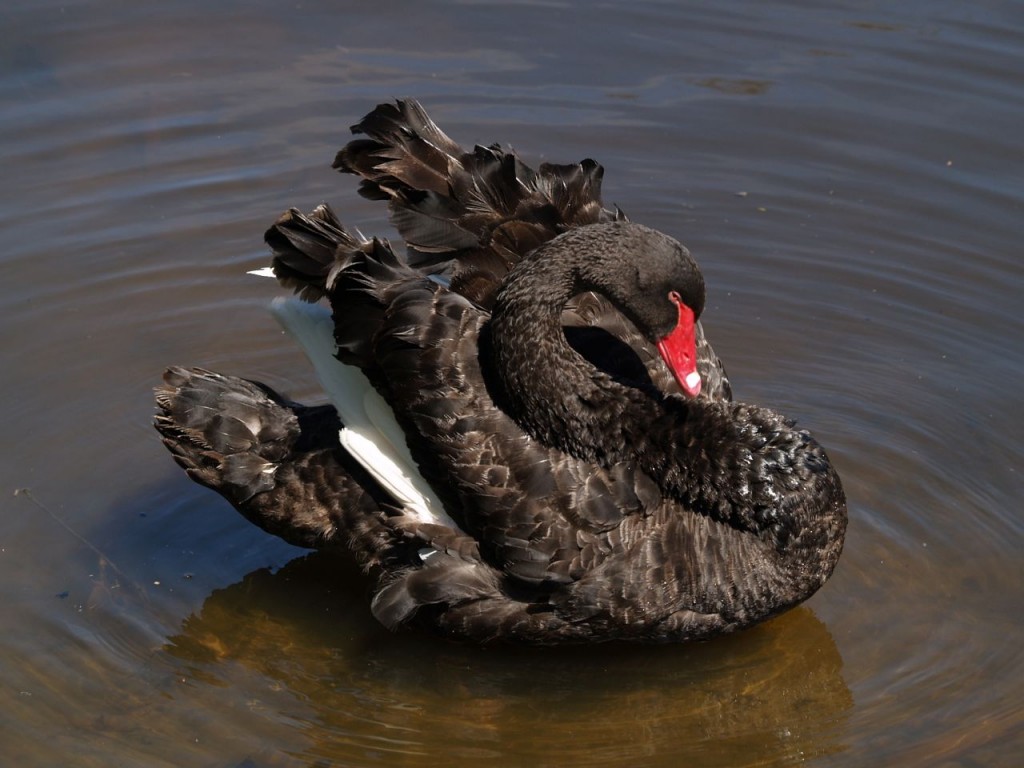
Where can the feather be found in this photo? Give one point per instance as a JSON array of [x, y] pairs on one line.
[[370, 434]]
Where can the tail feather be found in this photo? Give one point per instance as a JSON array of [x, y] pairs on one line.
[[261, 452], [224, 417]]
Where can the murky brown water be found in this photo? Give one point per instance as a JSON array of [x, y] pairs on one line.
[[850, 177]]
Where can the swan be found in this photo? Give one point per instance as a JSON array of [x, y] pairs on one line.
[[529, 437]]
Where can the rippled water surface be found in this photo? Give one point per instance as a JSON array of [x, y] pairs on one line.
[[850, 177]]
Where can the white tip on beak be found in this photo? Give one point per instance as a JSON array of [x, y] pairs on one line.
[[693, 381]]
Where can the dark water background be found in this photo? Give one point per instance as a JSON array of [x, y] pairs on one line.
[[851, 178]]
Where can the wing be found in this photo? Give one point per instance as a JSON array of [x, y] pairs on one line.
[[473, 214]]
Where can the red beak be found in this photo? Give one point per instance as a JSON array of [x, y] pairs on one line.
[[679, 351]]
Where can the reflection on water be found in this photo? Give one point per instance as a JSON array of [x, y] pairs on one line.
[[745, 87], [776, 692], [846, 177]]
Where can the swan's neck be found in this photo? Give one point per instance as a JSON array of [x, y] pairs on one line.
[[554, 393]]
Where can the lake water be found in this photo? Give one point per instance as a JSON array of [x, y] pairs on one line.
[[850, 177]]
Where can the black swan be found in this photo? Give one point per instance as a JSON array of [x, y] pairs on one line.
[[536, 444]]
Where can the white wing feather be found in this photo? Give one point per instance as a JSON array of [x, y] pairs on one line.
[[371, 433]]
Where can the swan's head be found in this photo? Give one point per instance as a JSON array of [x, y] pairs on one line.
[[655, 282], [648, 276]]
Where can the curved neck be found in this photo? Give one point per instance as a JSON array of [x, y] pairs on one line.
[[551, 390]]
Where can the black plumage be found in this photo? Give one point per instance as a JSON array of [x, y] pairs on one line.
[[518, 345]]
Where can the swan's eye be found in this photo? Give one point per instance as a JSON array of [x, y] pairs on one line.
[[675, 298]]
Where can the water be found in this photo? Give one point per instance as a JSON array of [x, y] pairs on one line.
[[849, 176]]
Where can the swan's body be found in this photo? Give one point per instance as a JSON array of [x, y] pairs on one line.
[[537, 443]]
